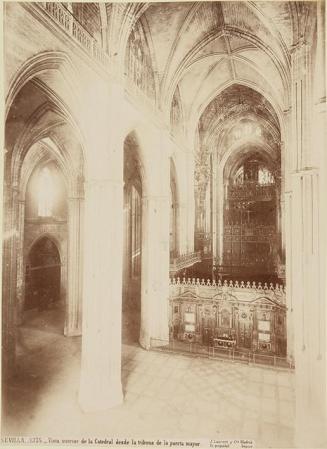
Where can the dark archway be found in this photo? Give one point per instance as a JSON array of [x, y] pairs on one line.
[[42, 277], [132, 264]]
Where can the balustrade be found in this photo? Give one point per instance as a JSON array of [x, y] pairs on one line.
[[68, 23], [277, 290], [184, 261], [242, 315]]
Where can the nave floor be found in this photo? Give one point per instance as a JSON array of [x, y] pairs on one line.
[[165, 396]]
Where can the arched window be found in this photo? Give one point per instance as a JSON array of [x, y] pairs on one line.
[[239, 176], [265, 176], [45, 193]]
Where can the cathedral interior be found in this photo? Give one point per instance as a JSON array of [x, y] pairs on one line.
[[164, 245]]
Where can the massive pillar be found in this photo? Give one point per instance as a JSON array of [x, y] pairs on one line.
[[182, 208], [20, 263], [100, 385], [191, 202], [220, 196], [181, 227], [155, 246], [214, 206], [287, 226], [306, 255], [281, 205], [155, 271], [9, 280], [309, 344]]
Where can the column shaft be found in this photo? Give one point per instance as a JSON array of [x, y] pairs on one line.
[[20, 294], [100, 386], [74, 297], [155, 271], [9, 281]]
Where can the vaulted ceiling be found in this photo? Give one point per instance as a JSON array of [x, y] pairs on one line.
[[237, 121], [223, 70], [198, 49], [201, 48]]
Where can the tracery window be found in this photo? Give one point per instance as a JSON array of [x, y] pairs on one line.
[[265, 176], [138, 62], [45, 193], [239, 176]]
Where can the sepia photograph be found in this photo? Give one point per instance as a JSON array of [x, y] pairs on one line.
[[164, 247]]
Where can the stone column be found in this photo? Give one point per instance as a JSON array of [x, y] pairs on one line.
[[281, 206], [155, 241], [182, 228], [155, 271], [289, 271], [301, 102], [308, 311], [287, 226], [73, 324], [100, 386], [177, 228], [306, 255], [100, 383], [184, 212], [20, 293], [279, 256], [214, 207], [126, 240], [190, 203], [221, 196], [9, 280]]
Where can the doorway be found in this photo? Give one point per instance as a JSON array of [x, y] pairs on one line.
[[43, 305]]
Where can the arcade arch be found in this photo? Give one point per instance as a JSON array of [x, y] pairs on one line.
[[41, 142]]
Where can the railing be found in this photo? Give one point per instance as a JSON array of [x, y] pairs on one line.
[[65, 19], [70, 25], [184, 261], [208, 288], [221, 353]]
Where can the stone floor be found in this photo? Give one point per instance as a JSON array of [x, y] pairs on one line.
[[165, 395]]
